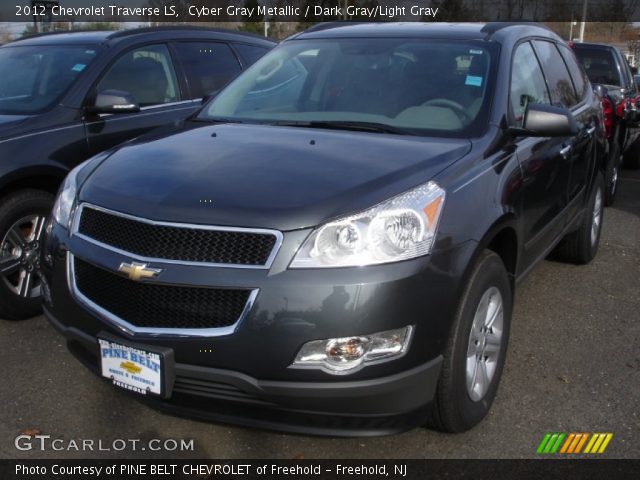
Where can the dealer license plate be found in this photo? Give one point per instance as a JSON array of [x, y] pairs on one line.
[[131, 368]]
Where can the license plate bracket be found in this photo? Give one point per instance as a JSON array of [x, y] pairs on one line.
[[140, 368]]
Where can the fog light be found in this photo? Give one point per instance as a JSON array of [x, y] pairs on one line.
[[348, 354]]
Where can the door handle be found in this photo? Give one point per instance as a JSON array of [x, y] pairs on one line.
[[565, 151]]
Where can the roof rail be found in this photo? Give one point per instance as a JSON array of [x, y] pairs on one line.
[[329, 25], [492, 27], [55, 32], [164, 28]]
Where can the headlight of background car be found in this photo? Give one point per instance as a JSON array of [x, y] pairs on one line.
[[65, 203], [401, 228]]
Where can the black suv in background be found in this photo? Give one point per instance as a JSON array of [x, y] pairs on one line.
[[332, 245], [611, 75], [65, 97]]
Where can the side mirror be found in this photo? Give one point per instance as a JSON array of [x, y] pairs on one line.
[[547, 121], [114, 101]]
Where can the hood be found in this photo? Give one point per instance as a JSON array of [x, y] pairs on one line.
[[262, 176]]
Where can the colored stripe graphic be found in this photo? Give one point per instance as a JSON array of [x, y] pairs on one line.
[[598, 442], [573, 443]]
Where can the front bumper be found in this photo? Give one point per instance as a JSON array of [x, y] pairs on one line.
[[366, 407], [245, 377]]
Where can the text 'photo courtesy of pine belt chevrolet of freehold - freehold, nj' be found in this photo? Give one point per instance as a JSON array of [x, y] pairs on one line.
[[377, 238]]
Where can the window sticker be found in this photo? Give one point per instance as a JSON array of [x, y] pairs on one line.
[[78, 67], [475, 52], [473, 81]]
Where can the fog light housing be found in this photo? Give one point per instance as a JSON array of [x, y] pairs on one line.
[[341, 356]]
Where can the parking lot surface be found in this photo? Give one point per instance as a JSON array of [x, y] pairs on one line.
[[573, 366]]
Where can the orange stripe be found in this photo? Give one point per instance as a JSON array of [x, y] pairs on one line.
[[574, 443], [567, 442], [584, 439]]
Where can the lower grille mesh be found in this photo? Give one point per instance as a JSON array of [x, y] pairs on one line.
[[159, 306]]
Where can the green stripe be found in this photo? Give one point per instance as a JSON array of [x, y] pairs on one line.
[[551, 442], [558, 443], [543, 443]]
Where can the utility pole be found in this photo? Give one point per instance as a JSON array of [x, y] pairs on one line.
[[584, 20]]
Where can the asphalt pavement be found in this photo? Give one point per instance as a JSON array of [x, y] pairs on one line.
[[573, 366]]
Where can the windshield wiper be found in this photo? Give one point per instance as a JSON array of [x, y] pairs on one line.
[[215, 120], [346, 125]]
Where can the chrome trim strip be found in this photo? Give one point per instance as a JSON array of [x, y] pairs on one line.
[[133, 331], [276, 247]]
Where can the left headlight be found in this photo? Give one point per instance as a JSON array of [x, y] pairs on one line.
[[401, 228], [65, 203]]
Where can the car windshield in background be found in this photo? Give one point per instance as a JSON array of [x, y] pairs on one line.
[[34, 78], [599, 64], [423, 87]]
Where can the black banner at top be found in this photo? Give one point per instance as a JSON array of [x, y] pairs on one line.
[[177, 11]]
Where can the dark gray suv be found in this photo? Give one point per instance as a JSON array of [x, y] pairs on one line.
[[332, 245]]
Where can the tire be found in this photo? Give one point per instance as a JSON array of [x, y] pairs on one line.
[[632, 157], [460, 403], [611, 178], [581, 246], [23, 216]]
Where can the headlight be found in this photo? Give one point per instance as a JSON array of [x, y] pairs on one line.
[[65, 203], [401, 228], [340, 356]]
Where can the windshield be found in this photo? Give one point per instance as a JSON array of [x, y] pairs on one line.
[[409, 85], [33, 78]]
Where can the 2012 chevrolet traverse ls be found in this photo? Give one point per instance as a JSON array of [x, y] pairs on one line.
[[332, 244]]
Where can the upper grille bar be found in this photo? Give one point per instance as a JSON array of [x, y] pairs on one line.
[[180, 243]]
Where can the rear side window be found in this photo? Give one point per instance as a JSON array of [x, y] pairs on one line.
[[250, 53], [577, 73], [557, 75], [209, 66], [147, 73], [599, 64], [527, 82]]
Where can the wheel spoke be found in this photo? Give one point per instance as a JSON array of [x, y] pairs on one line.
[[15, 238], [497, 311], [9, 266], [25, 284], [38, 227], [492, 347], [483, 377]]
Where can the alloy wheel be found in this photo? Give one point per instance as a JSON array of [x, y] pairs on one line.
[[19, 256], [485, 340]]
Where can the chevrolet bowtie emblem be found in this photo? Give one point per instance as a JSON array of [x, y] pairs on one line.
[[138, 271]]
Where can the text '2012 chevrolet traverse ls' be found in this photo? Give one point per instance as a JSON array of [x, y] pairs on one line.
[[332, 244]]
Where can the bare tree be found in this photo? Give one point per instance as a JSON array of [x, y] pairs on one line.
[[5, 35]]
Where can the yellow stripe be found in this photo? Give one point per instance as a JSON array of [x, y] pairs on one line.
[[596, 446], [574, 443], [584, 439], [590, 444], [606, 442], [567, 442]]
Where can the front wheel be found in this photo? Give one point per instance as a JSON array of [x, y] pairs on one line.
[[476, 349], [22, 220]]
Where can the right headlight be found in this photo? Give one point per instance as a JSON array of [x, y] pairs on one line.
[[400, 228], [65, 202]]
